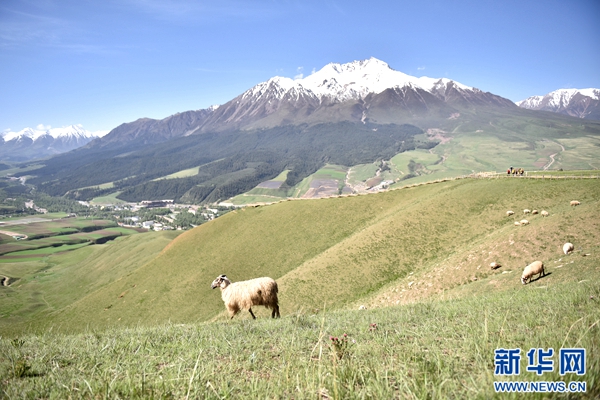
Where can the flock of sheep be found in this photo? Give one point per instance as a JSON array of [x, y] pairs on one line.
[[243, 295], [536, 267]]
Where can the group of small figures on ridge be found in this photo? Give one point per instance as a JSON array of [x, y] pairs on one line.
[[515, 171]]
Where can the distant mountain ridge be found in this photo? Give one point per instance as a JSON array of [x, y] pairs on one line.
[[29, 143], [360, 91], [345, 114], [580, 103]]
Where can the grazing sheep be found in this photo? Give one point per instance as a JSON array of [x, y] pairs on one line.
[[509, 213], [495, 265], [526, 211], [243, 295], [534, 212], [535, 268], [544, 213], [524, 222], [517, 223], [568, 248], [575, 203]]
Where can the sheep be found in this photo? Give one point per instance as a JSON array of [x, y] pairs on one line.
[[524, 222], [544, 213], [517, 223], [535, 268], [575, 203], [568, 248], [534, 212], [509, 213], [245, 294], [526, 211], [495, 265]]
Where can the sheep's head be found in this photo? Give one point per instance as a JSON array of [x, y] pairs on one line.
[[221, 282]]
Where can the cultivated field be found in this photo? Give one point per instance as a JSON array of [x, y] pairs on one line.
[[40, 238]]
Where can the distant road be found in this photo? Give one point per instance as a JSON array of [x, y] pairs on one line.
[[8, 233]]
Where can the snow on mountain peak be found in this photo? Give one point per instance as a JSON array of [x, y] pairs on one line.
[[580, 103], [352, 80], [558, 98], [72, 131]]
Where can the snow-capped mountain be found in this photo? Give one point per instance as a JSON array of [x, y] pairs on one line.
[[581, 103], [354, 91], [359, 91], [351, 81], [31, 143]]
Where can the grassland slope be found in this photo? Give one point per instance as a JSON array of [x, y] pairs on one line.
[[340, 252]]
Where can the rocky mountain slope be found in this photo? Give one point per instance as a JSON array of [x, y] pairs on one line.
[[360, 91], [31, 143], [580, 103]]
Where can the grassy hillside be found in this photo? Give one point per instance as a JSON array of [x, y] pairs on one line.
[[50, 284], [342, 252], [440, 349], [142, 322]]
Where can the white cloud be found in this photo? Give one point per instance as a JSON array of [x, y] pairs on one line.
[[420, 68], [42, 127], [299, 74]]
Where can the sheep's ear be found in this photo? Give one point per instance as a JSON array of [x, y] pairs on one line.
[[223, 276]]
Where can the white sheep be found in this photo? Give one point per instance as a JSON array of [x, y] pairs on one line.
[[245, 294], [568, 248], [495, 265], [535, 268], [534, 212], [544, 213], [509, 213], [524, 222], [517, 223], [526, 211], [575, 203]]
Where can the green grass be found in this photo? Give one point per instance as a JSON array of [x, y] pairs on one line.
[[368, 248], [107, 185], [360, 173], [19, 170], [570, 173], [439, 349], [53, 235], [39, 253], [108, 199], [332, 172], [137, 319], [59, 281], [181, 174]]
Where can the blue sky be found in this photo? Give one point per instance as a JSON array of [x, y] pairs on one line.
[[103, 63]]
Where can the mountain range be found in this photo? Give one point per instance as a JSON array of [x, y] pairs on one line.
[[344, 114], [40, 143], [360, 92], [581, 103]]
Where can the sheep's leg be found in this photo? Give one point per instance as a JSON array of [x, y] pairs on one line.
[[251, 313], [275, 313]]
